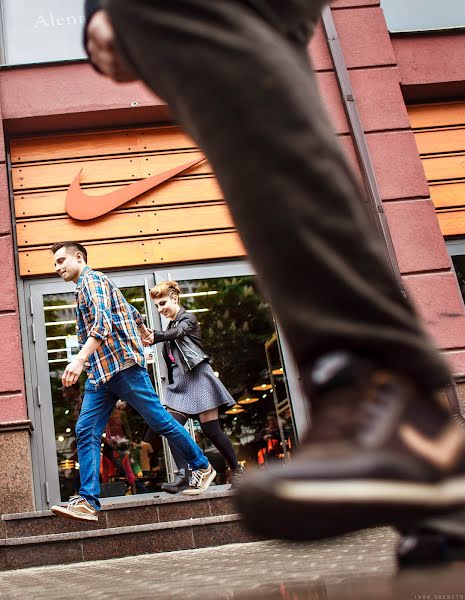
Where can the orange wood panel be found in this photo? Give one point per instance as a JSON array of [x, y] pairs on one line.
[[185, 219], [169, 250], [448, 195], [176, 191], [441, 141], [53, 147], [440, 137], [125, 224], [444, 167], [451, 222], [437, 115], [102, 171]]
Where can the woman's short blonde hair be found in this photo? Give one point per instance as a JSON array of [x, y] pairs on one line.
[[165, 288]]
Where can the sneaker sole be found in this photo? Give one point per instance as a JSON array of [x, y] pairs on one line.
[[62, 512], [197, 491], [444, 494], [311, 511], [172, 490]]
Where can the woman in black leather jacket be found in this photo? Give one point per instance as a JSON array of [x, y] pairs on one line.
[[193, 390]]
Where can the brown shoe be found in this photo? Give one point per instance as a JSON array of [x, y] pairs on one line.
[[381, 451], [78, 509]]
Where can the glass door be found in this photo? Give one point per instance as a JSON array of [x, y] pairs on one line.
[[239, 335], [132, 460]]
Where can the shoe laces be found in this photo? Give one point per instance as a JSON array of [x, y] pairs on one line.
[[196, 478], [74, 501]]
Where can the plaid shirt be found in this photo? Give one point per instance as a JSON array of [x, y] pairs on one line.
[[103, 313]]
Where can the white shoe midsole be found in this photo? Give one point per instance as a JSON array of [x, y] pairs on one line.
[[443, 494]]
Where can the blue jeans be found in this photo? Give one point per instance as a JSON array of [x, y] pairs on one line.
[[134, 386]]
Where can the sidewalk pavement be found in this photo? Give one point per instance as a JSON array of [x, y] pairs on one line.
[[359, 566]]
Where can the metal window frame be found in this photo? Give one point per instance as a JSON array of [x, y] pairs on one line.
[[40, 408]]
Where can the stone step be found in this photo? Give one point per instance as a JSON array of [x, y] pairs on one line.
[[143, 510], [116, 542]]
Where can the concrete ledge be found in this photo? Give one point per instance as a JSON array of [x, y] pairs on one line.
[[132, 529], [118, 542], [146, 511], [16, 426], [219, 491]]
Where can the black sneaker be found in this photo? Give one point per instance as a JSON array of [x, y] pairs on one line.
[[437, 540], [236, 476], [380, 452], [180, 482]]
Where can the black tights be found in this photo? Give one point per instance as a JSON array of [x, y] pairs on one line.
[[213, 432]]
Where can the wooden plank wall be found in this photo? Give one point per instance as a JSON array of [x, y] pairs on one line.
[[440, 135], [183, 220]]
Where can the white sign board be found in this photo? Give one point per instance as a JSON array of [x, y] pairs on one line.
[[37, 31]]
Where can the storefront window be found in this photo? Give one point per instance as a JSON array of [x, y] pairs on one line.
[[39, 31], [239, 335], [423, 15]]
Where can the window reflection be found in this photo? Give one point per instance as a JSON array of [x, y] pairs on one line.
[[239, 335]]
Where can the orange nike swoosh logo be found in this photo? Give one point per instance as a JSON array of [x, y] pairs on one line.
[[82, 207]]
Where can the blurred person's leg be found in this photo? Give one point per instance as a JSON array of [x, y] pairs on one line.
[[236, 76], [248, 96]]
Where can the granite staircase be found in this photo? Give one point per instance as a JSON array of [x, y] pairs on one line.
[[153, 523]]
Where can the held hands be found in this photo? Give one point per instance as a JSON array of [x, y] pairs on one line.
[[103, 49], [147, 335], [72, 372]]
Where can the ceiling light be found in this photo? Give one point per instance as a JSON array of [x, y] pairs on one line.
[[59, 307], [247, 399], [262, 387], [51, 323], [277, 371], [235, 410]]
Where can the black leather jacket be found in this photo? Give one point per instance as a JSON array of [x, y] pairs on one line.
[[183, 338]]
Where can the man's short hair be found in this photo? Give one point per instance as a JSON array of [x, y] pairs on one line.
[[74, 245]]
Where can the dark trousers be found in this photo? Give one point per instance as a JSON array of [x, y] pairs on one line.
[[236, 76]]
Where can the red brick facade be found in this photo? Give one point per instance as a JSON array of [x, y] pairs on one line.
[[423, 67]]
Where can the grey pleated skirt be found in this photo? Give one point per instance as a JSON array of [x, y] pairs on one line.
[[196, 391]]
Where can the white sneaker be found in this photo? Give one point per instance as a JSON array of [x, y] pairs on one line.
[[78, 509], [200, 481]]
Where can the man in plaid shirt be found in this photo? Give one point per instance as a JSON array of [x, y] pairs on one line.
[[109, 331]]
